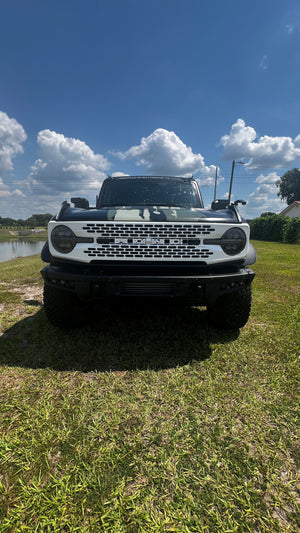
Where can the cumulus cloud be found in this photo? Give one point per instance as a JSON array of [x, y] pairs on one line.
[[65, 165], [6, 192], [263, 152], [164, 153], [209, 177], [264, 198], [12, 135], [270, 178], [118, 174], [4, 189]]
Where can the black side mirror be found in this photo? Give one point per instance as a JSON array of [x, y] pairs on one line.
[[219, 204], [242, 202], [80, 202]]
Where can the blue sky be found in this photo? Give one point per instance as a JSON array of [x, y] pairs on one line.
[[136, 87]]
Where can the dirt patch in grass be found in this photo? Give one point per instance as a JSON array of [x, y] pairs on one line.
[[19, 297]]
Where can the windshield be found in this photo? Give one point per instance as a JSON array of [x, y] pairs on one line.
[[148, 191]]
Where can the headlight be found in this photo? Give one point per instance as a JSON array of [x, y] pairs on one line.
[[63, 239], [233, 241]]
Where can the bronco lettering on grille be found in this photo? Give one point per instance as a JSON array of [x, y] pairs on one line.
[[147, 240]]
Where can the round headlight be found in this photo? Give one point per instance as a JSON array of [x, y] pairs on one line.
[[233, 241], [63, 239]]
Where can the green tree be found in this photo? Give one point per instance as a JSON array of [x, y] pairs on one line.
[[267, 214], [33, 221], [289, 186], [275, 228]]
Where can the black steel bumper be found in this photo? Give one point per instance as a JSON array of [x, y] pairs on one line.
[[202, 289]]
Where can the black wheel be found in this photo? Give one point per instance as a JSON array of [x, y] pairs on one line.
[[231, 311], [63, 309]]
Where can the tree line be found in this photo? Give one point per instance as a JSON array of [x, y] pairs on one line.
[[272, 227], [278, 228], [35, 221]]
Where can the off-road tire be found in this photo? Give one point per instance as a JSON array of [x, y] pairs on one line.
[[64, 309], [231, 311]]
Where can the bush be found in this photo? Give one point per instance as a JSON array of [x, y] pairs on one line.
[[276, 228], [291, 231]]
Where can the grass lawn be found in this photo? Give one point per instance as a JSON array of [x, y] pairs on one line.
[[149, 420], [8, 235]]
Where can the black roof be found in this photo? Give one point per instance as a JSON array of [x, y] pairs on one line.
[[151, 177]]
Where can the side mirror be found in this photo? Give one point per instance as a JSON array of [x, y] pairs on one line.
[[80, 202], [219, 204], [242, 202]]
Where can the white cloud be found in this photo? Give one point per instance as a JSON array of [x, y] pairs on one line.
[[118, 174], [290, 28], [6, 192], [164, 153], [208, 177], [65, 165], [264, 152], [264, 198], [270, 178], [264, 63], [12, 135], [236, 144], [4, 189], [207, 182]]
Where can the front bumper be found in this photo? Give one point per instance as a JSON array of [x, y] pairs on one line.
[[198, 289]]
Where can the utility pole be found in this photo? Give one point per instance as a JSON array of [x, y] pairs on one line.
[[216, 178], [231, 178]]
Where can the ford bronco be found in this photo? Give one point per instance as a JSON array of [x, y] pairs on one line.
[[148, 237]]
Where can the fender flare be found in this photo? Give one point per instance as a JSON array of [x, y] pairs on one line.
[[251, 255], [45, 253]]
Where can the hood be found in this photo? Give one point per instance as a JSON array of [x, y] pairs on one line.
[[147, 213]]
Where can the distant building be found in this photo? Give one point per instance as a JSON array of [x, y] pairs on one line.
[[292, 210]]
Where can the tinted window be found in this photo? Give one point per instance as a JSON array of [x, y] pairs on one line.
[[145, 191]]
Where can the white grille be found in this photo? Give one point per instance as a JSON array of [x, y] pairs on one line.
[[149, 252], [149, 230], [148, 241]]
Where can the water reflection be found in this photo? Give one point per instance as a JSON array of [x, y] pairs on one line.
[[19, 248]]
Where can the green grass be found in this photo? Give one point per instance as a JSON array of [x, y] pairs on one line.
[[149, 420], [5, 235], [8, 235]]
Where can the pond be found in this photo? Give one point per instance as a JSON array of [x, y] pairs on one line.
[[19, 248]]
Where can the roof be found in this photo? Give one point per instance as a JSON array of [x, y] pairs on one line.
[[126, 176], [294, 204]]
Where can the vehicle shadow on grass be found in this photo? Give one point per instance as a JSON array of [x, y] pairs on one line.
[[116, 339]]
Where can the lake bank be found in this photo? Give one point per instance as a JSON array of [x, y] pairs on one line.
[[39, 234], [19, 248]]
